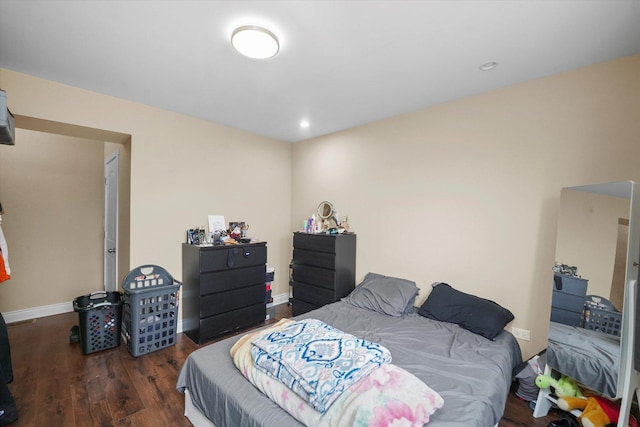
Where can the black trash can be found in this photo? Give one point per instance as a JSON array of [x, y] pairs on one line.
[[100, 320]]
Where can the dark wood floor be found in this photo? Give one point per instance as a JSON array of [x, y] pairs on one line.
[[55, 385]]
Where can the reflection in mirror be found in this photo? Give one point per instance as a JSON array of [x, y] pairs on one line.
[[589, 285], [599, 236], [592, 236], [595, 276], [326, 211]]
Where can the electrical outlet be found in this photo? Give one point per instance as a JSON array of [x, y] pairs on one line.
[[522, 334]]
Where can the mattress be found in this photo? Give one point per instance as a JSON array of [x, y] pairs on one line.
[[472, 374], [589, 356]]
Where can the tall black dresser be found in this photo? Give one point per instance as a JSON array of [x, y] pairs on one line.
[[223, 289], [567, 300], [324, 269]]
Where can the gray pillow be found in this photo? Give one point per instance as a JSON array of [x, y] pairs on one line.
[[387, 295]]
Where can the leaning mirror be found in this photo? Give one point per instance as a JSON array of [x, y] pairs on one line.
[[592, 312]]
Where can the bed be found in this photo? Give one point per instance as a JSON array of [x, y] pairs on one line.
[[589, 355], [473, 374]]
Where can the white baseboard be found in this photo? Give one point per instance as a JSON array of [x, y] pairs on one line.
[[66, 307], [281, 299], [35, 312]]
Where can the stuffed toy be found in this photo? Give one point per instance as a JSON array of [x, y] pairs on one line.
[[596, 411], [565, 386]]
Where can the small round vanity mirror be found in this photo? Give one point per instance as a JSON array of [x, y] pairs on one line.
[[325, 210]]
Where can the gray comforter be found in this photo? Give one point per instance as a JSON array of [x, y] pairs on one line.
[[590, 357], [471, 373]]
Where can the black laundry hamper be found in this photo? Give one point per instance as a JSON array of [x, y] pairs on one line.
[[100, 316]]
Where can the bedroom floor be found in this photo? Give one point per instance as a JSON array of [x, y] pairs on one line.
[[55, 385]]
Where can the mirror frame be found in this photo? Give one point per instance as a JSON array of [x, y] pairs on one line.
[[322, 208]]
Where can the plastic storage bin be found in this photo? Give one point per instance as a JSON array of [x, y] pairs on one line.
[[600, 315], [268, 298], [270, 274], [151, 297], [100, 313]]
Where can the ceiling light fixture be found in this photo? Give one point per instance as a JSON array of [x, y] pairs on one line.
[[304, 124], [487, 66], [255, 42]]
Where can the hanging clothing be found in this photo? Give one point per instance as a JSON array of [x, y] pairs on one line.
[[5, 270], [4, 276]]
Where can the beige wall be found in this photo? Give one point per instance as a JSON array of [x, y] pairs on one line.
[[182, 169], [588, 236], [467, 192], [51, 188]]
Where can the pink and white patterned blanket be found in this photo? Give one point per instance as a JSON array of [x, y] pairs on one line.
[[388, 396]]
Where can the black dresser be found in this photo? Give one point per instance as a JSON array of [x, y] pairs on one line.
[[567, 301], [223, 289], [324, 269]]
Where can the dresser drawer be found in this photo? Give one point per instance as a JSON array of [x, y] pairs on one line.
[[567, 301], [214, 304], [565, 317], [317, 259], [231, 279], [313, 294], [314, 276], [230, 257], [300, 307], [315, 242], [570, 285], [214, 326]]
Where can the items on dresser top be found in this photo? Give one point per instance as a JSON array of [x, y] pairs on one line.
[[223, 288], [323, 269]]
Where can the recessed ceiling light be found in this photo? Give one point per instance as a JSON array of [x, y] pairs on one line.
[[255, 42], [490, 65], [304, 124]]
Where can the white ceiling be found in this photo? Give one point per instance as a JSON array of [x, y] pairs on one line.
[[341, 63]]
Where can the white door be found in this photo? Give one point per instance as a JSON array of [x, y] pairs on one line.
[[111, 223]]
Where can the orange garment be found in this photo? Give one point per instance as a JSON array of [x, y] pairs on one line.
[[3, 271]]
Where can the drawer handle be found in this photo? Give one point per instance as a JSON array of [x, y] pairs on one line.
[[558, 282], [247, 253], [231, 257]]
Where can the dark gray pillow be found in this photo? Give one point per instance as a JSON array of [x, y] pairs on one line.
[[388, 295], [475, 314]]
